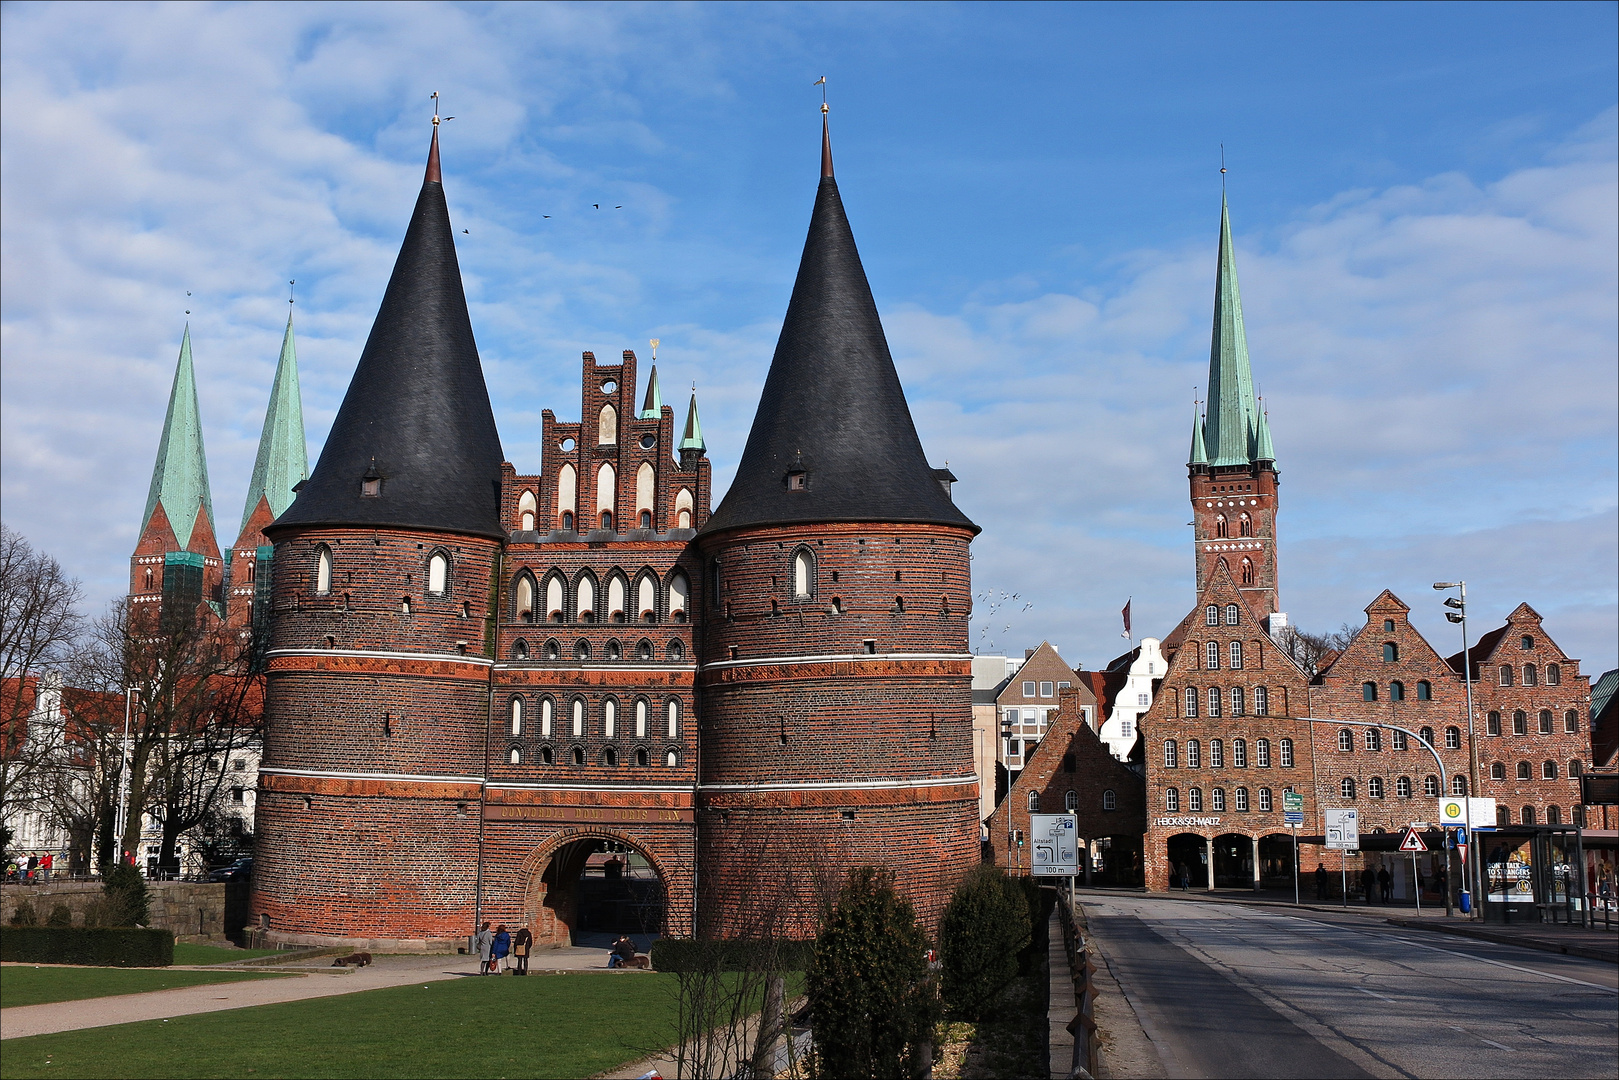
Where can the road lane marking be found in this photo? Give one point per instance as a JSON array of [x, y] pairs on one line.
[[1482, 1039], [1363, 990], [1510, 967]]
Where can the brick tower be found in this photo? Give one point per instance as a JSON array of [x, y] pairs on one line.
[[379, 682], [835, 677], [1232, 467], [176, 563]]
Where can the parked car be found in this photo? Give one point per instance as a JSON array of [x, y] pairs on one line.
[[241, 868]]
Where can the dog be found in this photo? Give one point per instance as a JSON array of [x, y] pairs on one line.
[[359, 959], [641, 962]]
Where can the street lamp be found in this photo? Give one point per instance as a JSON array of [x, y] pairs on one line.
[[1458, 615]]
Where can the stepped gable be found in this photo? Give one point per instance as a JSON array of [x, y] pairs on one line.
[[416, 415], [832, 406]]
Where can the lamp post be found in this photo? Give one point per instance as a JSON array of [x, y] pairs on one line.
[[123, 777], [1458, 614]]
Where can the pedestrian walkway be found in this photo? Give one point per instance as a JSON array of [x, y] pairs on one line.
[[308, 980]]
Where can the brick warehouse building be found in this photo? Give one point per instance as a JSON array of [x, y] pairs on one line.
[[480, 680], [1227, 733]]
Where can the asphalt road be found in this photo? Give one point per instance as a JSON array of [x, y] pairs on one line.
[[1225, 990]]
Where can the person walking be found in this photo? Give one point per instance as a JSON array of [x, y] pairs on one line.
[[1385, 885], [1185, 878], [522, 942], [1320, 881], [500, 948], [483, 942], [1368, 882]]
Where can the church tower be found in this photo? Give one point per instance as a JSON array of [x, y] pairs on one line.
[[176, 563], [1232, 466], [835, 675], [381, 631], [281, 466]]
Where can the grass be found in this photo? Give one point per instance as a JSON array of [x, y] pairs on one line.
[[213, 954], [542, 1026], [42, 985]]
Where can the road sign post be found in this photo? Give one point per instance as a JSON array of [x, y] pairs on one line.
[[1343, 836], [1055, 839], [1293, 818], [1414, 844]]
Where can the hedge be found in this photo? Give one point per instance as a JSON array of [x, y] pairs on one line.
[[99, 946], [689, 954]]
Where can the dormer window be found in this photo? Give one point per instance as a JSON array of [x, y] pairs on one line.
[[371, 483], [796, 480]]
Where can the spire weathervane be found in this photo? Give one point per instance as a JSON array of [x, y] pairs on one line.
[[821, 82], [290, 284], [1222, 166], [654, 344]]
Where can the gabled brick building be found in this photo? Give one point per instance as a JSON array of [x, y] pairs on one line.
[[1236, 723]]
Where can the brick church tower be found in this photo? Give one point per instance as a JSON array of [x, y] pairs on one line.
[[176, 564], [379, 680], [1232, 466], [835, 675]]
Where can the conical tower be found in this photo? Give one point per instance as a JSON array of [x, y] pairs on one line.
[[836, 680], [378, 679], [176, 563], [281, 466], [1232, 467]]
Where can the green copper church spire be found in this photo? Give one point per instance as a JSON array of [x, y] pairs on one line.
[[1200, 456], [283, 456], [180, 477], [1233, 417], [1263, 451], [693, 439]]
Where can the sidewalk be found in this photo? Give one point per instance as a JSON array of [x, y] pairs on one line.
[[307, 981], [1591, 944]]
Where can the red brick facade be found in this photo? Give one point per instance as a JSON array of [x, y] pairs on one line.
[[1073, 770], [837, 715]]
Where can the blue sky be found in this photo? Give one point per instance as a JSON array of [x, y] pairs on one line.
[[1423, 196]]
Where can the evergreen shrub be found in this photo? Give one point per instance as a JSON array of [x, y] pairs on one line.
[[125, 889], [60, 915], [871, 997], [87, 945], [984, 928], [24, 914]]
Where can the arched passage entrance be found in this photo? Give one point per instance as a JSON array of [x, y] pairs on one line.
[[1233, 861], [1188, 856], [1276, 861], [591, 889]]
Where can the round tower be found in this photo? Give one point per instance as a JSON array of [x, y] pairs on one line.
[[379, 673], [835, 677]]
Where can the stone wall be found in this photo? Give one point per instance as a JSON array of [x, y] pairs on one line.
[[194, 911]]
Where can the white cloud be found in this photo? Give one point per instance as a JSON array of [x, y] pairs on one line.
[[1439, 357]]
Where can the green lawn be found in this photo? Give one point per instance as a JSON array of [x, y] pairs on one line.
[[545, 1025], [214, 954], [40, 985]]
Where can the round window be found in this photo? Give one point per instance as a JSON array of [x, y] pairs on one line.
[[566, 444], [648, 441], [609, 386]]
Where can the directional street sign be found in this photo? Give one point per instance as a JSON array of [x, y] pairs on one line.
[[1343, 829], [1056, 846], [1413, 841], [1292, 808]]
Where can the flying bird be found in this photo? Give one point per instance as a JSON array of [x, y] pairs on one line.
[[465, 231], [597, 205]]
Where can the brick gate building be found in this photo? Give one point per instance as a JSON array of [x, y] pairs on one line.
[[481, 682]]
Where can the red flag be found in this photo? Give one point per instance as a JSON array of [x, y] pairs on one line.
[[1126, 614]]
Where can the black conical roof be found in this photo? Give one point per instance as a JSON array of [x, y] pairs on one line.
[[832, 404], [417, 411]]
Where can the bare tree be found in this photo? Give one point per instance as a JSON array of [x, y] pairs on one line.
[[40, 622], [1312, 652], [196, 698]]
